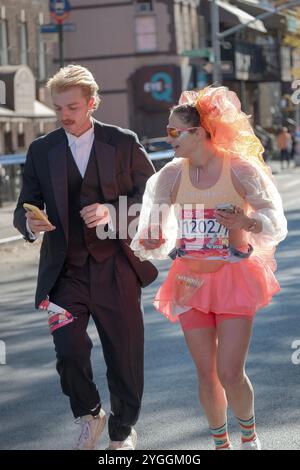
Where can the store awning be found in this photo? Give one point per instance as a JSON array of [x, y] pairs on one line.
[[239, 16], [255, 8]]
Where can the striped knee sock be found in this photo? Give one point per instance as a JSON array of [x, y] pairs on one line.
[[247, 429], [220, 437]]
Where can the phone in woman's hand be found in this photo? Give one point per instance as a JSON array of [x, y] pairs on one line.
[[229, 208]]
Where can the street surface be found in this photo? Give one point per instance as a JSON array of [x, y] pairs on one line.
[[35, 415]]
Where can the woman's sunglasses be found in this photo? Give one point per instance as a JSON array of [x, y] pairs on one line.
[[175, 132]]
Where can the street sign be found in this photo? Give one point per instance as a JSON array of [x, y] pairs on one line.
[[59, 10], [204, 52], [53, 28]]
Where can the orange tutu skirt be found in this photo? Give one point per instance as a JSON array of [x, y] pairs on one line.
[[238, 288]]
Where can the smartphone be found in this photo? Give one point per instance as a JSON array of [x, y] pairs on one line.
[[230, 208], [37, 212]]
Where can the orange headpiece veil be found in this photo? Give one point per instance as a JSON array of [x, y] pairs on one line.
[[229, 127]]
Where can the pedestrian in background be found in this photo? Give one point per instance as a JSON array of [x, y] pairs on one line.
[[284, 144]]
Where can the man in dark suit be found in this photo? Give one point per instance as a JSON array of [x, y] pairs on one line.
[[71, 174]]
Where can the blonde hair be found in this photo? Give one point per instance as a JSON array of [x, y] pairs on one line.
[[75, 75]]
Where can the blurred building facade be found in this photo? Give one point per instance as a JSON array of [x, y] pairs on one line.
[[262, 61], [143, 53], [133, 49], [26, 60]]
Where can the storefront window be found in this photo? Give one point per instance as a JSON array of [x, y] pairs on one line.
[[143, 6]]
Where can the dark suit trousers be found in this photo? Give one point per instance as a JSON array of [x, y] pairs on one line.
[[110, 293]]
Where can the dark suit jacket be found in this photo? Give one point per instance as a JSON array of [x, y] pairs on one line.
[[124, 169]]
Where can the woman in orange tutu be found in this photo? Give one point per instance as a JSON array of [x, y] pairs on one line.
[[216, 211]]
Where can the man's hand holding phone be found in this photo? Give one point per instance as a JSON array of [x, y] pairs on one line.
[[37, 220]]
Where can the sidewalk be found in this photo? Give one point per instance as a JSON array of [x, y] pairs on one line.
[[7, 229]]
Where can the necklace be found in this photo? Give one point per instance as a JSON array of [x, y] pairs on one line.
[[198, 168]]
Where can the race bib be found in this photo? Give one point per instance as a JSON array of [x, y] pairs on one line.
[[201, 232]]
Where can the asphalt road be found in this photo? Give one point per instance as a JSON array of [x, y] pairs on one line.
[[35, 415]]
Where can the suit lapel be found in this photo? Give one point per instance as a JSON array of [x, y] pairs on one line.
[[57, 157], [106, 163]]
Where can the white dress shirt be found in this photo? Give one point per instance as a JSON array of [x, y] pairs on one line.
[[81, 148]]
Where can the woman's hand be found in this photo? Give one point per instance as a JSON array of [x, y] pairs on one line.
[[236, 220], [152, 237]]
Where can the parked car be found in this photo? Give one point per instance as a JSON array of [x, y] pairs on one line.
[[159, 151]]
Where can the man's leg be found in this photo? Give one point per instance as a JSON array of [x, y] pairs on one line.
[[288, 157], [119, 320], [285, 157], [72, 343]]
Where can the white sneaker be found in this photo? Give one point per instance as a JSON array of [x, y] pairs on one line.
[[128, 444], [91, 430], [251, 445]]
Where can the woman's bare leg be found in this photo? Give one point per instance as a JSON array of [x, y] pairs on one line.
[[233, 343], [202, 344]]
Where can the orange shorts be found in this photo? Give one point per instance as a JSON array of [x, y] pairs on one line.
[[193, 319]]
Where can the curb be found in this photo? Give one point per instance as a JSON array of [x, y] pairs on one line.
[[11, 239]]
